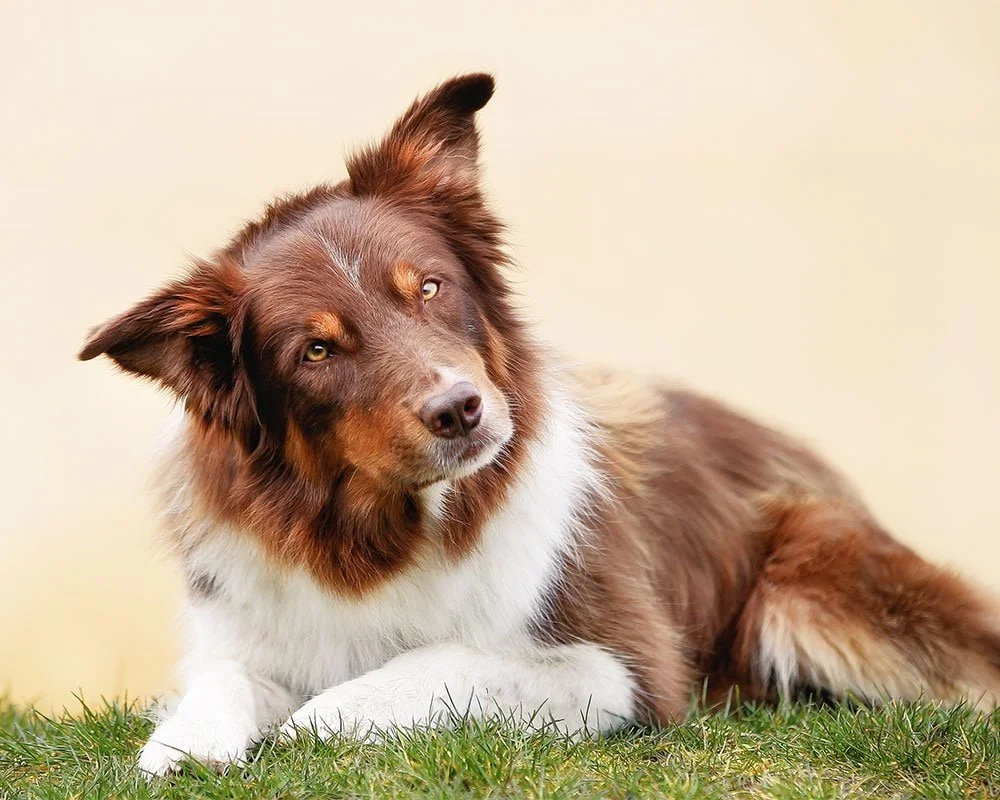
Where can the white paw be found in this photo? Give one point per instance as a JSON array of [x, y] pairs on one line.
[[359, 711], [214, 742]]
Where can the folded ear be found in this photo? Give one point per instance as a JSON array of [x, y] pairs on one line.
[[185, 337], [433, 146]]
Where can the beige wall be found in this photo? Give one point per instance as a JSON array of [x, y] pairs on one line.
[[794, 205]]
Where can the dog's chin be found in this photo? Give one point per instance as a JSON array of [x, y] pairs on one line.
[[471, 457], [482, 456]]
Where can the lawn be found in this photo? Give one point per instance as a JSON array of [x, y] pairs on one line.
[[798, 752]]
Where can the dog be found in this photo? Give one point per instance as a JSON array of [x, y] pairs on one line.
[[395, 509]]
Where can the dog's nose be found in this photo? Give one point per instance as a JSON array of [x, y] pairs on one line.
[[455, 412]]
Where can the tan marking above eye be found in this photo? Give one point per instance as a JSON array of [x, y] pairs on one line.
[[405, 279], [317, 351], [327, 327], [430, 289]]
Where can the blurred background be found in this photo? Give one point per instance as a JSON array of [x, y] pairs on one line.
[[795, 206]]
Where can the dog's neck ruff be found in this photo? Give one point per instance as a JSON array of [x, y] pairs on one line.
[[520, 540]]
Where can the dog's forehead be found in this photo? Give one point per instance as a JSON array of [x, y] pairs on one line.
[[349, 241], [338, 258]]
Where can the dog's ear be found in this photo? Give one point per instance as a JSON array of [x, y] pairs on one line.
[[433, 147], [185, 337]]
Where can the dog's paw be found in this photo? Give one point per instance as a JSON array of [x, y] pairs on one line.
[[357, 711], [213, 742], [332, 713]]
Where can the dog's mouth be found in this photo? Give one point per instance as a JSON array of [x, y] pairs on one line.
[[461, 458], [476, 454]]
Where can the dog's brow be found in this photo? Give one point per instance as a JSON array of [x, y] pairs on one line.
[[349, 265], [328, 326], [405, 279]]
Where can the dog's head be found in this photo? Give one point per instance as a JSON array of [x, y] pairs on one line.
[[362, 326]]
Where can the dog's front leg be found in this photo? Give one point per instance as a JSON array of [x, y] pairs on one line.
[[574, 687], [223, 710]]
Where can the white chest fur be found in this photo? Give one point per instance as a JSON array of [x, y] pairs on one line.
[[286, 627]]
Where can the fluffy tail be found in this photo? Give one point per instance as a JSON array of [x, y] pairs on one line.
[[842, 608]]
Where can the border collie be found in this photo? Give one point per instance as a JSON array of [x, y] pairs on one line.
[[394, 508]]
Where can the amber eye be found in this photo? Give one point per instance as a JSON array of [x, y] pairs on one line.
[[317, 351], [429, 290]]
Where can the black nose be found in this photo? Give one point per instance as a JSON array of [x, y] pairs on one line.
[[455, 412]]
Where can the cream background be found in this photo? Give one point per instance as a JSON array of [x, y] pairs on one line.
[[793, 205]]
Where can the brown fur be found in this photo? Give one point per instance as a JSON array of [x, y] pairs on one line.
[[716, 526], [864, 614], [721, 552]]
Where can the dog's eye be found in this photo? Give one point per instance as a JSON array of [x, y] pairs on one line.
[[430, 289], [317, 351]]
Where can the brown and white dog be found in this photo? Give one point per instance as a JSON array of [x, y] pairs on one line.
[[392, 504]]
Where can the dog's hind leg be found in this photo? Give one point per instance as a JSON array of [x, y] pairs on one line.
[[840, 607]]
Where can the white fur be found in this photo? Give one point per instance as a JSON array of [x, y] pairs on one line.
[[350, 265], [572, 688], [224, 709], [801, 645], [442, 633]]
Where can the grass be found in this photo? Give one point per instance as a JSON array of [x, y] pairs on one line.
[[796, 752]]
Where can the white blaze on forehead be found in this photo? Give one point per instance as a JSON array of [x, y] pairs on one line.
[[349, 264], [448, 376]]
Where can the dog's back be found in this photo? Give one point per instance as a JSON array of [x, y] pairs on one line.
[[731, 557]]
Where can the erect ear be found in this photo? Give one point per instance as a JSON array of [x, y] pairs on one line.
[[433, 146], [184, 336]]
